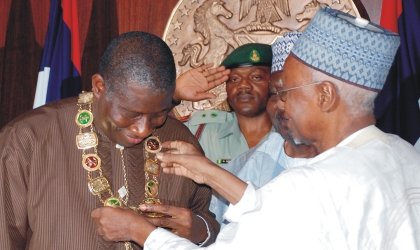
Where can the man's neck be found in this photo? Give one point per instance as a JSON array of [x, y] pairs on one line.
[[299, 151], [340, 131], [254, 128]]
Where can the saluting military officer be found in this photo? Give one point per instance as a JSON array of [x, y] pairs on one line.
[[225, 135]]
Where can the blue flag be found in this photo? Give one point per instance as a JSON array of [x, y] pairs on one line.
[[60, 71], [397, 107]]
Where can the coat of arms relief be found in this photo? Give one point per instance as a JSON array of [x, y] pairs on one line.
[[206, 31]]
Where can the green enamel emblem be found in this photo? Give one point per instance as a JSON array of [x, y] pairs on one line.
[[115, 202], [112, 202], [84, 118]]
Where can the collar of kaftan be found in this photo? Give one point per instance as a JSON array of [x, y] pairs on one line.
[[366, 135]]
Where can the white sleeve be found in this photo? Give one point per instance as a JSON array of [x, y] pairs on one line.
[[247, 203], [162, 239]]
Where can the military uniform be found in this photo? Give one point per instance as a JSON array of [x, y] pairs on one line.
[[221, 137]]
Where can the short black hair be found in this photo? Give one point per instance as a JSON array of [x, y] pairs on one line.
[[141, 58]]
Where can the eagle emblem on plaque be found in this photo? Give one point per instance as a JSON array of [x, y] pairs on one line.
[[206, 31]]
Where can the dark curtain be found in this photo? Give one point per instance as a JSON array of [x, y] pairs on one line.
[[20, 65]]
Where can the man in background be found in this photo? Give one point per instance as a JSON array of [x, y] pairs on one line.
[[225, 135]]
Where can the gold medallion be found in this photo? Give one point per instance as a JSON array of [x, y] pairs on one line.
[[98, 185], [152, 144], [85, 97], [151, 188], [91, 162], [151, 214], [128, 245], [84, 118], [152, 167], [150, 201], [206, 31], [112, 202], [86, 140]]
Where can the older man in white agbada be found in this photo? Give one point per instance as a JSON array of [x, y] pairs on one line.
[[361, 192]]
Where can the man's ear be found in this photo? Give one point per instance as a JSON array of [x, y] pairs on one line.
[[98, 85], [328, 96]]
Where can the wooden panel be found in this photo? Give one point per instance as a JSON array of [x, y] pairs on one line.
[[146, 15], [133, 15], [160, 14]]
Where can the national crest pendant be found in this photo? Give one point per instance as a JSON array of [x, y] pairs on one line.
[[152, 144], [91, 162]]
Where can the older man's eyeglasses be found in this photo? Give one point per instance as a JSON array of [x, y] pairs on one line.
[[282, 93]]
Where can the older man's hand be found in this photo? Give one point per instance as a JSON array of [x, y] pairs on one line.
[[184, 159]]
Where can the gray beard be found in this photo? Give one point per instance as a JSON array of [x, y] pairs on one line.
[[297, 142], [293, 140]]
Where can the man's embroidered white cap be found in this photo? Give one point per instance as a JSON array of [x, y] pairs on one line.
[[348, 48]]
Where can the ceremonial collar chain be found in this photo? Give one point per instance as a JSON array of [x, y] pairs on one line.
[[87, 140]]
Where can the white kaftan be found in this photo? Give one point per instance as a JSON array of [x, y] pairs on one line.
[[362, 194]]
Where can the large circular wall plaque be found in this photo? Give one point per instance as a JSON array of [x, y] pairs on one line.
[[205, 31]]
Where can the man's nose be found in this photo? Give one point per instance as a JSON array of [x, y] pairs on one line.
[[142, 128], [280, 104], [244, 84]]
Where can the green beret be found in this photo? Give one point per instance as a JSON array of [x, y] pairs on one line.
[[251, 54]]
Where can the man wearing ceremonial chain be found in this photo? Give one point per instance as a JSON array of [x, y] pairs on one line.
[[61, 161]]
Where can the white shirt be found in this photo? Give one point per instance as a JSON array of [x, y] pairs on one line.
[[258, 165], [362, 194]]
